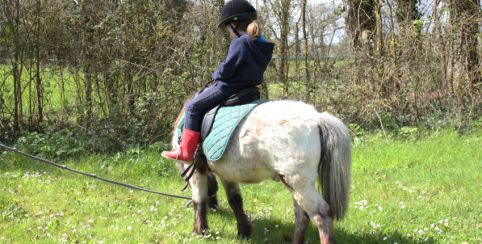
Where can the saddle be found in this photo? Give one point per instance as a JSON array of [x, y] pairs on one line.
[[243, 97], [216, 143]]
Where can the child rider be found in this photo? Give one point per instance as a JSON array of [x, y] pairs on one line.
[[248, 56]]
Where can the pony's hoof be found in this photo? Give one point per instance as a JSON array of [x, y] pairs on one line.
[[244, 232], [200, 232]]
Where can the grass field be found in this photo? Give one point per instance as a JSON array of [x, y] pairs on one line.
[[411, 190]]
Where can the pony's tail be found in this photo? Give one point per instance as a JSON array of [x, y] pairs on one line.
[[335, 164]]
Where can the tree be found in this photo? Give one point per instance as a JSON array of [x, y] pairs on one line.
[[378, 27], [407, 11], [309, 84], [463, 69], [38, 60], [282, 10], [465, 17], [12, 12], [360, 22]]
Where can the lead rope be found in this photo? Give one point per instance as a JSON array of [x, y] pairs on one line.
[[64, 167], [191, 168]]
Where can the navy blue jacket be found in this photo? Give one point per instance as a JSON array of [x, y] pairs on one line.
[[245, 64]]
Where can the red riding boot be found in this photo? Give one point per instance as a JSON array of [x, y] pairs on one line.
[[185, 153]]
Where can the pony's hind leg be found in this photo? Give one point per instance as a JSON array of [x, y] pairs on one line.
[[235, 200], [324, 223], [301, 223], [310, 200]]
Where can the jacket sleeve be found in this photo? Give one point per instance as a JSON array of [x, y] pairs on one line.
[[227, 68]]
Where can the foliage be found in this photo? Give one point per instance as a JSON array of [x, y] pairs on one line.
[[52, 143], [118, 72], [119, 75]]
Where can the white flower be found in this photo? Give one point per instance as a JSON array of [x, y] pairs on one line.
[[64, 237], [361, 205], [374, 225]]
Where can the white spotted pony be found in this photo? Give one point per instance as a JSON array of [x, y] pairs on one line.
[[290, 141]]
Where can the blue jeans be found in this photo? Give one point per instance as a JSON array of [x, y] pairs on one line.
[[208, 98]]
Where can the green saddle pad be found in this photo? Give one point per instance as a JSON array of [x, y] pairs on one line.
[[225, 122]]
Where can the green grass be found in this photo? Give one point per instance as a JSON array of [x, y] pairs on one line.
[[405, 191]]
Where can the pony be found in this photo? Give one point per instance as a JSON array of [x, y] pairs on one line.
[[286, 140]]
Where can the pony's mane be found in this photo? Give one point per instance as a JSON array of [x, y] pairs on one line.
[[181, 112], [179, 116]]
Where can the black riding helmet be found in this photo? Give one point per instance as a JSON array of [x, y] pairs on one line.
[[236, 10]]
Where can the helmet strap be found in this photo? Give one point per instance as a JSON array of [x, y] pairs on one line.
[[233, 27]]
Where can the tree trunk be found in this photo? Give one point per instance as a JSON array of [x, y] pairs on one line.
[[38, 78], [88, 96], [112, 96], [463, 61], [2, 103], [378, 27], [439, 44], [360, 22], [464, 23], [17, 65], [88, 57], [360, 26], [410, 28], [407, 11], [17, 93], [130, 93], [309, 84], [297, 53], [284, 21], [30, 96]]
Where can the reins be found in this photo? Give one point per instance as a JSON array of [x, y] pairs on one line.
[[94, 176]]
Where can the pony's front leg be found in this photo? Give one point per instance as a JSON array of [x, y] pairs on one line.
[[236, 202], [212, 191], [199, 184]]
